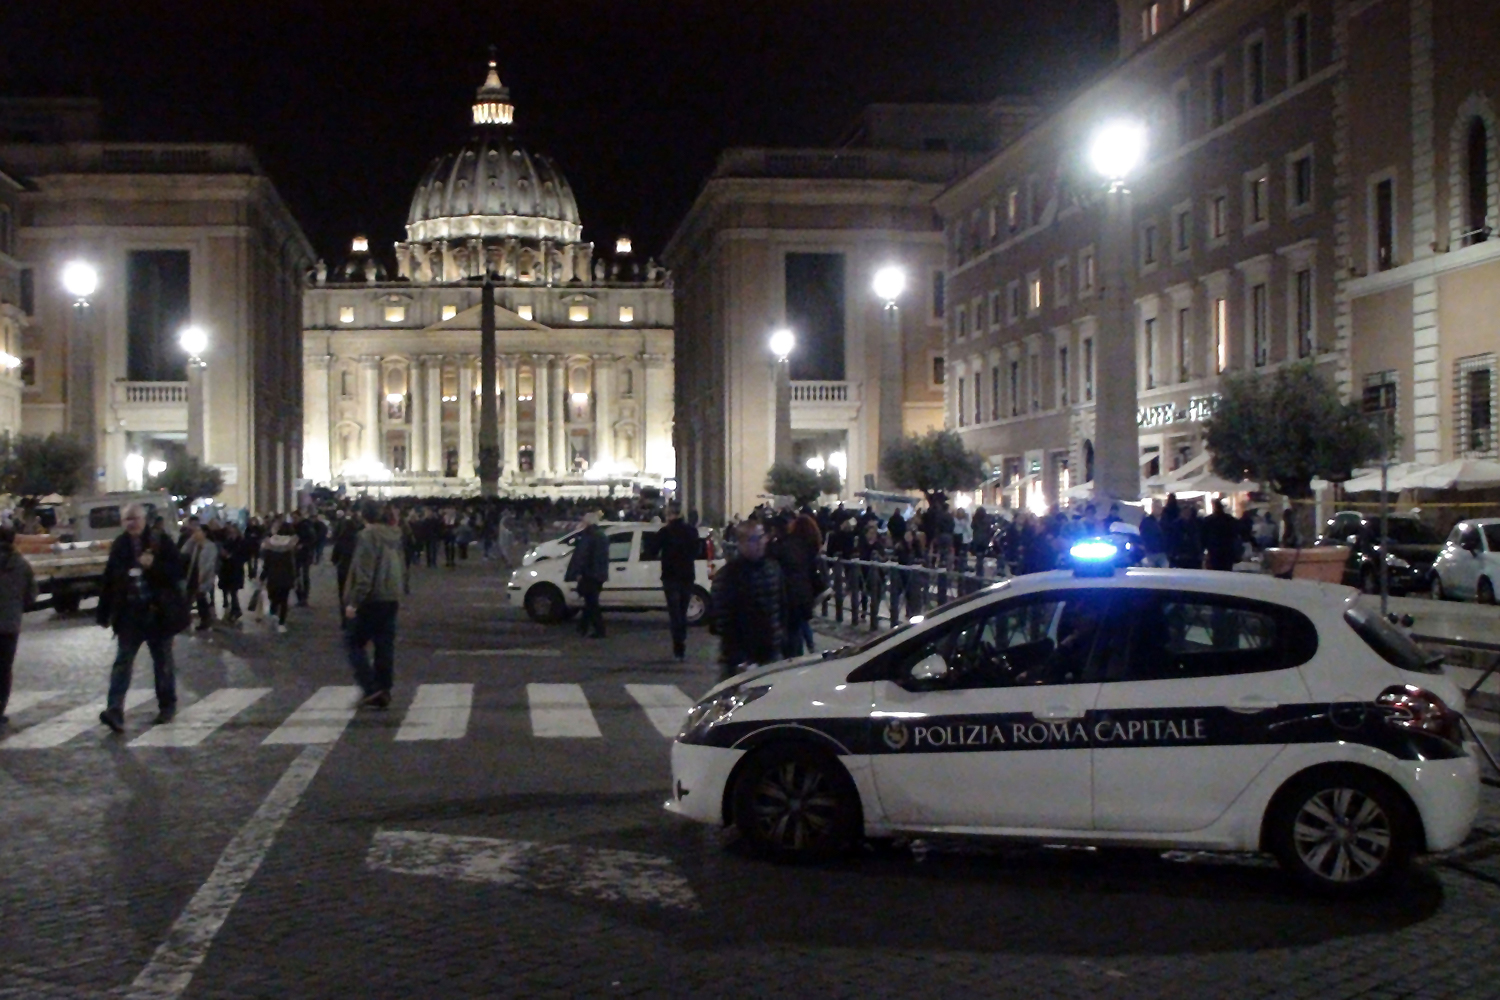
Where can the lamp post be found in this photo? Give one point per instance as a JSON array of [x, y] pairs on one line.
[[889, 284], [782, 342], [194, 341], [1116, 152], [80, 279]]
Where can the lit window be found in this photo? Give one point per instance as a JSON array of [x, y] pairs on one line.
[[395, 314], [1013, 209], [1221, 334], [627, 314], [1150, 21], [622, 245], [359, 245], [346, 314], [1034, 292], [524, 312], [1257, 198], [1086, 272], [1088, 369], [449, 312], [578, 314]]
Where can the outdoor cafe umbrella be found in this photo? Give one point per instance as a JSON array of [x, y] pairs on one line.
[[1460, 474], [1368, 481], [1209, 482]]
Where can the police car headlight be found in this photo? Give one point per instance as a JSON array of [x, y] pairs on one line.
[[710, 712]]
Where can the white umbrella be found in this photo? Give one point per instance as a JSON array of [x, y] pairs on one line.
[[1165, 482], [1083, 491], [1367, 480], [1208, 482], [1462, 474]]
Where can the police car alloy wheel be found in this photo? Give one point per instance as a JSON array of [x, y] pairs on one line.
[[794, 802], [697, 606], [1341, 831]]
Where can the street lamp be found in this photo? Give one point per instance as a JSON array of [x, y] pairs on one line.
[[194, 341], [80, 279], [889, 284], [1116, 152], [782, 342]]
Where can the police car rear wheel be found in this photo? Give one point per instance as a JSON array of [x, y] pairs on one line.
[[1342, 831], [544, 603], [796, 803], [697, 606]]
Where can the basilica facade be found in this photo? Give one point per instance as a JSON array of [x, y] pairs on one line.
[[391, 369]]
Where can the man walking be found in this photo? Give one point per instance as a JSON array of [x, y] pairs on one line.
[[748, 599], [17, 590], [589, 568], [307, 544], [1221, 537], [140, 595], [370, 604], [679, 552]]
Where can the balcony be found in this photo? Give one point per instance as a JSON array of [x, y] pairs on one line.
[[824, 405], [152, 392], [150, 406]]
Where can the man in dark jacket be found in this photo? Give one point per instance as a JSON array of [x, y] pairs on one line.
[[142, 581], [589, 568], [749, 595], [307, 544], [1221, 537], [371, 601], [17, 590], [678, 542]]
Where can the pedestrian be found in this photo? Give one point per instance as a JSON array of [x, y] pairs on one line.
[[589, 571], [1221, 538], [748, 597], [1189, 554], [307, 545], [1290, 538], [1152, 543], [142, 601], [231, 571], [797, 552], [679, 544], [17, 591], [371, 603], [202, 557], [278, 569], [255, 533], [345, 537]]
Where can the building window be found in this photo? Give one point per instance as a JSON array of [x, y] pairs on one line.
[[1302, 297], [28, 371], [994, 309], [1034, 370], [1218, 96], [1478, 183], [1255, 71], [1260, 325], [1014, 306], [1385, 223], [1013, 210], [978, 397], [939, 294], [346, 314], [995, 390], [1086, 272], [963, 411], [1221, 335], [346, 384], [7, 232], [981, 317], [1183, 98], [939, 374], [1015, 388], [395, 314], [1061, 282], [1218, 218], [627, 314], [28, 291], [1476, 385], [1257, 199], [1148, 245], [1184, 344], [1062, 376], [1182, 232], [1148, 337], [1299, 182], [994, 222], [1150, 21], [1388, 417], [578, 313], [526, 313], [961, 322], [1299, 46], [1088, 370], [1034, 293], [158, 304]]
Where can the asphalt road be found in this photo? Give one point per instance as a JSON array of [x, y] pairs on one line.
[[499, 832]]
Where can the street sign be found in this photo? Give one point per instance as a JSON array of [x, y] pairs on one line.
[[1379, 398]]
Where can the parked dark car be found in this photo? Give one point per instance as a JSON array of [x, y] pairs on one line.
[[1413, 547]]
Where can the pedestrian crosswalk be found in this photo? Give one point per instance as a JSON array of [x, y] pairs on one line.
[[434, 713]]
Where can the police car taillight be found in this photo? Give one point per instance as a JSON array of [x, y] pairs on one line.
[[1411, 707]]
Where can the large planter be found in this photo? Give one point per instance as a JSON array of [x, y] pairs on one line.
[[1323, 562]]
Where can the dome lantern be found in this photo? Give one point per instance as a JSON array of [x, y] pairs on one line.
[[492, 102]]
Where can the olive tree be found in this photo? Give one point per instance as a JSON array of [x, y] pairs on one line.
[[934, 463]]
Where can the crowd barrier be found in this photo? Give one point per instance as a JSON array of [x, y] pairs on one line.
[[872, 592]]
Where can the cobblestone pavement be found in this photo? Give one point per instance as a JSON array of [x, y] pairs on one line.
[[409, 855]]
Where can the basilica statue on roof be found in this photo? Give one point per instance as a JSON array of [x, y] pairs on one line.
[[584, 369]]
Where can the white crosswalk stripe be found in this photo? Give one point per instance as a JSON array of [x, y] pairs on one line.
[[439, 712], [665, 705], [560, 711], [320, 719], [69, 725], [195, 723], [20, 701]]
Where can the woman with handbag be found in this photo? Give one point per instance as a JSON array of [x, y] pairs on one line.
[[143, 601]]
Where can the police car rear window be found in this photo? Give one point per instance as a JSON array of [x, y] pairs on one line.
[[1394, 646]]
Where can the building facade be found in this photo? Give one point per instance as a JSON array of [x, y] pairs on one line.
[[17, 296], [1320, 185], [792, 238], [585, 344], [178, 234]]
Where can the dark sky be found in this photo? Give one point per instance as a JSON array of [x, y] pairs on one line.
[[346, 102]]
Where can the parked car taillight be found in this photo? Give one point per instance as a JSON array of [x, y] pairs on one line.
[[1411, 707]]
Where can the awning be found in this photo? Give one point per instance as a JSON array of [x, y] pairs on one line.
[[1369, 480], [1462, 474]]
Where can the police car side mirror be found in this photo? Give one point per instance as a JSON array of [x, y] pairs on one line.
[[929, 670]]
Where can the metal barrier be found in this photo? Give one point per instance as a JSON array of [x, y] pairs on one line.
[[874, 590], [1486, 674]]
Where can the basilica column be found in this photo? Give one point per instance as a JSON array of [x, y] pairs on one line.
[[558, 424], [416, 385], [541, 450], [317, 463], [656, 416], [604, 412], [369, 403], [433, 425], [465, 416], [512, 441]]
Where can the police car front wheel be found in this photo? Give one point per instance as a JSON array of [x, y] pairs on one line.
[[1342, 831], [796, 803]]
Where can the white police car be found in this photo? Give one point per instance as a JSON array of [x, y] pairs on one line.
[[1159, 708]]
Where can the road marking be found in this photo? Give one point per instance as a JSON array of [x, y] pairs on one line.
[[519, 651], [20, 701], [439, 712], [596, 873], [320, 719], [560, 710], [171, 969], [72, 723], [665, 704], [194, 724]]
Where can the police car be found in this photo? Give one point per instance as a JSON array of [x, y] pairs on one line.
[[1103, 706]]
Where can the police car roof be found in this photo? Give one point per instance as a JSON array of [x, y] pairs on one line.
[[1257, 585]]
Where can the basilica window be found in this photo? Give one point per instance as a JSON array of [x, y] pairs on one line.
[[449, 312], [578, 313], [627, 314], [525, 312], [346, 314], [525, 385], [395, 314]]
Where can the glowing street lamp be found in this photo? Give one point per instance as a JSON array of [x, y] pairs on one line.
[[889, 283], [80, 279], [1118, 150], [194, 341], [782, 343]]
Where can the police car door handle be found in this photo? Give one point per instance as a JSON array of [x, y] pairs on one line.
[[1253, 703], [1058, 712]]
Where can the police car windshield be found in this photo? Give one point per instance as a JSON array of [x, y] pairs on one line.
[[854, 649]]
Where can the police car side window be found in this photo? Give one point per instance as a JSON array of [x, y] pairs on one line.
[[619, 546], [1185, 635], [650, 546]]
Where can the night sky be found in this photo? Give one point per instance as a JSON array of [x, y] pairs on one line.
[[345, 103]]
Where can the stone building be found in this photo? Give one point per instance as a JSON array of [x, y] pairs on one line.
[[792, 238], [179, 234], [17, 302], [391, 362], [1320, 184]]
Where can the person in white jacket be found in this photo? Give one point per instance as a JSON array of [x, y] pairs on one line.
[[201, 556]]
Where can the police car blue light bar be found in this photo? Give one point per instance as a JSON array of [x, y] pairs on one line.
[[1094, 551]]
